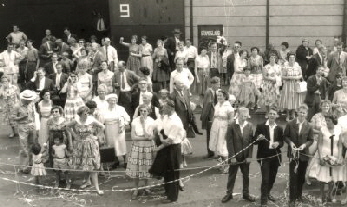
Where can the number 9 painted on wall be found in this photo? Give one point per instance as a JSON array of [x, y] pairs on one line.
[[124, 10]]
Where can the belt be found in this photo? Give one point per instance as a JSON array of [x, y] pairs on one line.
[[111, 122], [145, 55]]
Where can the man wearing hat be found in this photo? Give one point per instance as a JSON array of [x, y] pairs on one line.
[[239, 137], [24, 115], [270, 141], [110, 54], [303, 54], [172, 46]]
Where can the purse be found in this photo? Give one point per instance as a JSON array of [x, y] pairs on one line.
[[107, 154], [301, 87]]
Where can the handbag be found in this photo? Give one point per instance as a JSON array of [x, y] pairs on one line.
[[301, 87], [107, 154]]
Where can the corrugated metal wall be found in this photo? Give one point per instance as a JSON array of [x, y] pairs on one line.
[[290, 20]]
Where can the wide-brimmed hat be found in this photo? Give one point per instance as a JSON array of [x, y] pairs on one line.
[[176, 31], [27, 95]]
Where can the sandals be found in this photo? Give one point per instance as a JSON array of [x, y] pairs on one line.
[[85, 185]]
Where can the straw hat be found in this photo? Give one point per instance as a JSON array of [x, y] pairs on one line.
[[27, 95]]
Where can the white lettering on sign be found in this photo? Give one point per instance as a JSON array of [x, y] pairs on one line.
[[210, 33], [124, 10]]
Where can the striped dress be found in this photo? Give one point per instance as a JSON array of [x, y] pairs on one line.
[[290, 99]]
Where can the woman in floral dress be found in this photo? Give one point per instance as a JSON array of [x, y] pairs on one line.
[[86, 155], [9, 98], [135, 55], [146, 52], [161, 69], [270, 91], [290, 98], [236, 80]]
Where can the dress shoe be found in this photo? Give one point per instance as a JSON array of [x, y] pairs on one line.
[[209, 156], [227, 198], [271, 198], [249, 198]]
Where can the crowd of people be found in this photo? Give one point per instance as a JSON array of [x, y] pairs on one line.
[[71, 103]]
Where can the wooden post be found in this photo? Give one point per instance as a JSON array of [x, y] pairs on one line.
[[267, 35], [191, 22], [344, 22]]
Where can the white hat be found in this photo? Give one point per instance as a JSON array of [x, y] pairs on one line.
[[111, 96], [28, 95]]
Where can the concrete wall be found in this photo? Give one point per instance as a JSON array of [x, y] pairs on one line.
[[290, 20]]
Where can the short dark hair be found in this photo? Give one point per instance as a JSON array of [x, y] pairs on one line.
[[36, 148], [255, 48], [43, 92], [238, 42], [82, 109], [61, 110], [91, 104], [225, 94], [286, 44], [332, 118], [290, 54]]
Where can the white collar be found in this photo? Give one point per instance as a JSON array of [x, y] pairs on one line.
[[267, 123], [244, 123], [298, 122]]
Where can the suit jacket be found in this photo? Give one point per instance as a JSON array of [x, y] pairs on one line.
[[182, 107], [36, 84], [49, 68], [131, 78], [219, 59], [291, 134], [63, 79], [230, 64], [263, 145], [313, 64], [336, 64], [208, 108], [45, 57], [236, 141], [135, 99], [63, 47], [97, 59], [301, 54], [66, 39], [312, 87], [170, 46]]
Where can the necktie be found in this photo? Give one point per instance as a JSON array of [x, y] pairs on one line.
[[48, 47], [123, 81], [106, 53], [215, 98]]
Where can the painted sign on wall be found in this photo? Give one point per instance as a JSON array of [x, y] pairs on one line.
[[208, 34]]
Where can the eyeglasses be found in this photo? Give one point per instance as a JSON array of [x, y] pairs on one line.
[[143, 110], [55, 112]]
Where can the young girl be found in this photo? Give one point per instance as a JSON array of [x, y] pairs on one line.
[[60, 161], [38, 169], [248, 91]]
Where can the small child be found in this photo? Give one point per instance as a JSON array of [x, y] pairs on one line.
[[60, 161], [248, 91], [38, 169]]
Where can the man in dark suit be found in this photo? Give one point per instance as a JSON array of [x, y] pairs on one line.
[[231, 59], [317, 88], [303, 54], [50, 67], [171, 47], [210, 100], [239, 136], [299, 136], [136, 96], [59, 79], [40, 81], [124, 81], [68, 37], [97, 58], [270, 141], [215, 59], [316, 60], [46, 52], [62, 47], [181, 98]]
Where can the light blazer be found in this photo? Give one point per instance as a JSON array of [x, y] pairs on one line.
[[291, 134], [236, 141]]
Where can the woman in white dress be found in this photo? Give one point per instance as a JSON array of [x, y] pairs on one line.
[[223, 113], [329, 146], [45, 106], [115, 120], [146, 50]]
